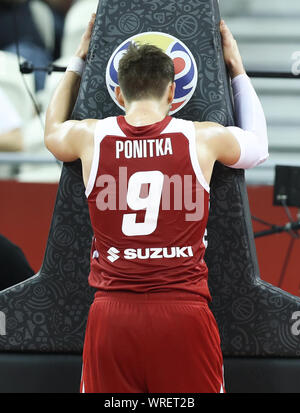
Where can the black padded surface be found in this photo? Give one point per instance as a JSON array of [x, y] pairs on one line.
[[262, 375], [48, 312], [60, 373], [39, 373]]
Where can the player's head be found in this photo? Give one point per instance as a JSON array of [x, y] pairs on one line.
[[145, 72]]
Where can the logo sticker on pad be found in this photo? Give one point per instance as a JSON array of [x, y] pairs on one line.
[[186, 73]]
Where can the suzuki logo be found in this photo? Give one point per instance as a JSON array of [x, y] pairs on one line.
[[113, 254], [150, 253]]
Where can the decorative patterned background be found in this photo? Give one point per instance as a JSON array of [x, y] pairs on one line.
[[48, 312]]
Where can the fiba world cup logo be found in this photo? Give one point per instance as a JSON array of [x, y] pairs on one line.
[[186, 73]]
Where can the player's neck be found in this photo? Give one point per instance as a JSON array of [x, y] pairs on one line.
[[146, 112]]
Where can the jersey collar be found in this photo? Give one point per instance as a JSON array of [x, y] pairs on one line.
[[154, 129]]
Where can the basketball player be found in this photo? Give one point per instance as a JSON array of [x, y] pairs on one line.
[[150, 328]]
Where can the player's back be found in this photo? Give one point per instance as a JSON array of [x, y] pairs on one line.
[[148, 203]]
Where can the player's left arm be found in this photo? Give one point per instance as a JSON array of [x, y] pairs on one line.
[[67, 139]]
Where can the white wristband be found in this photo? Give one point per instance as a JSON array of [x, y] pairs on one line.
[[76, 65]]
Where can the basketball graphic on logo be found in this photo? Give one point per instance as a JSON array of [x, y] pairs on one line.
[[186, 73]]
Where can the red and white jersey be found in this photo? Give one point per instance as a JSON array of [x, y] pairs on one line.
[[148, 202]]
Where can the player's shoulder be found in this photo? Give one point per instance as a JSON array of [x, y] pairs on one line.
[[87, 124], [94, 121], [199, 126], [201, 130], [210, 137], [208, 130], [206, 125], [93, 125]]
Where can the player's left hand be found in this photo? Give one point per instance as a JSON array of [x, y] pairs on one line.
[[231, 52], [83, 47]]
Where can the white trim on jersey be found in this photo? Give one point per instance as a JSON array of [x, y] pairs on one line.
[[82, 388], [104, 127], [187, 128]]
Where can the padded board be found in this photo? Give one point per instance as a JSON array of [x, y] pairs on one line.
[[60, 373], [48, 312]]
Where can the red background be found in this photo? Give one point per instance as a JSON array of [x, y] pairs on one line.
[[26, 212]]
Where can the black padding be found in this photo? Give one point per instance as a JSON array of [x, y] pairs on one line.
[[262, 375], [48, 312], [60, 373]]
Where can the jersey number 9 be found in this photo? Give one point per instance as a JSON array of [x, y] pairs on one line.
[[151, 203]]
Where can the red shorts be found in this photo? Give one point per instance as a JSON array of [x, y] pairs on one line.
[[151, 343]]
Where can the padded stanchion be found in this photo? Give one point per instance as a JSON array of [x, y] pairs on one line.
[[48, 312]]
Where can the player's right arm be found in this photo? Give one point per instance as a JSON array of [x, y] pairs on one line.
[[246, 145]]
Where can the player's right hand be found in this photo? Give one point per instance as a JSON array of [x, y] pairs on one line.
[[83, 47], [231, 52]]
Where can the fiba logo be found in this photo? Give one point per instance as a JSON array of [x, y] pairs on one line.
[[186, 73]]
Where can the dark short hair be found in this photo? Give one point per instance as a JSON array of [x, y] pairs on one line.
[[144, 72]]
